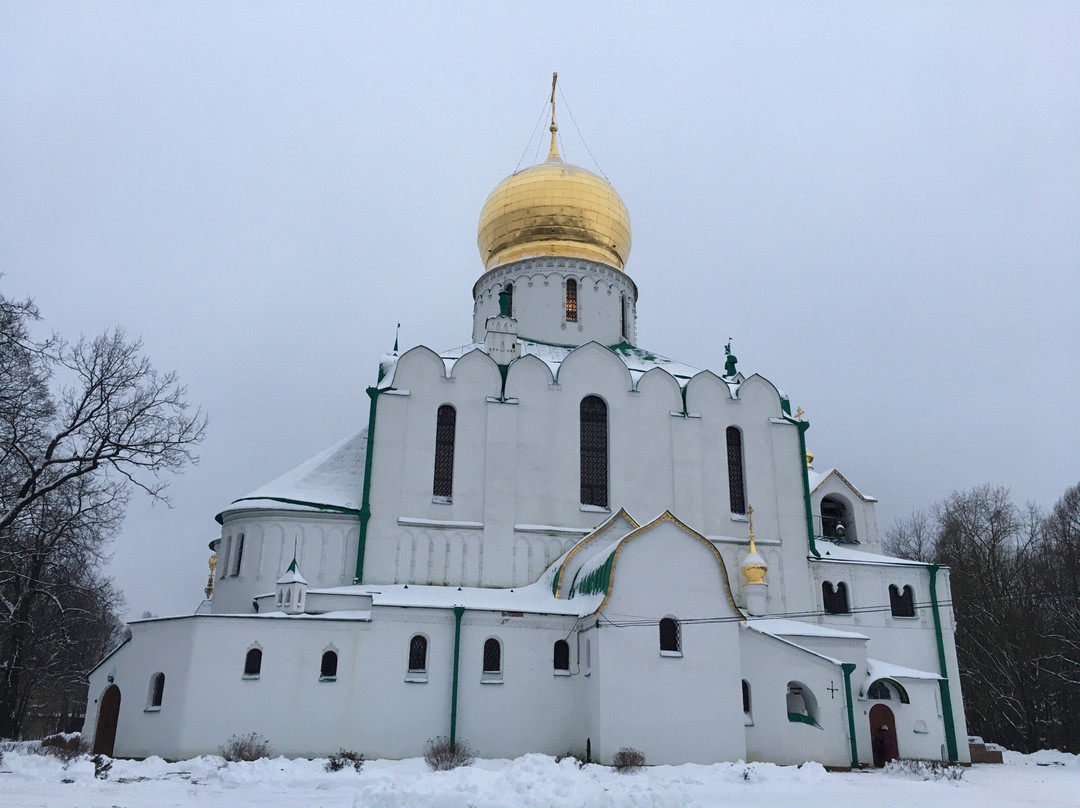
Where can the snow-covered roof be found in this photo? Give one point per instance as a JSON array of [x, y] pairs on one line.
[[818, 478], [777, 627], [840, 552], [879, 669], [638, 361], [535, 598], [333, 480]]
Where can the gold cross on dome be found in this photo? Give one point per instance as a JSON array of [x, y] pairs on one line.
[[799, 413]]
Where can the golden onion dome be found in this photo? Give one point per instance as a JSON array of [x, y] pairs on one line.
[[554, 209]]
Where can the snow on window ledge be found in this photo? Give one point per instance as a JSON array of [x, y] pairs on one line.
[[327, 678], [594, 508], [490, 678], [739, 517], [671, 653], [417, 677], [443, 500], [250, 676], [747, 720], [152, 710], [561, 673]]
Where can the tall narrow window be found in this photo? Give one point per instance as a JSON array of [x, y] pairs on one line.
[[157, 689], [562, 655], [902, 603], [223, 556], [670, 637], [571, 300], [253, 662], [328, 668], [418, 654], [443, 487], [238, 554], [509, 299], [493, 671], [594, 452], [622, 325], [736, 484], [746, 699]]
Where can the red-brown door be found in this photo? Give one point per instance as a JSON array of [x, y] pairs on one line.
[[883, 734], [108, 716]]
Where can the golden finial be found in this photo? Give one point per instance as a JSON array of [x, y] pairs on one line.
[[809, 460], [553, 152], [753, 567], [799, 413], [212, 563]]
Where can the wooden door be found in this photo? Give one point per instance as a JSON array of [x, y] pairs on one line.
[[108, 717], [883, 734]]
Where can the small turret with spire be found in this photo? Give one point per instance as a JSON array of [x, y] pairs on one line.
[[292, 588]]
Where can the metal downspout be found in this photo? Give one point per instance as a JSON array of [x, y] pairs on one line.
[[946, 697], [458, 612], [848, 668], [803, 426], [365, 505]]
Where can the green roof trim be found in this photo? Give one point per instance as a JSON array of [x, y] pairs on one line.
[[799, 718], [597, 581]]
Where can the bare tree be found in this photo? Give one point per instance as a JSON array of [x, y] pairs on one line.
[[1015, 584], [81, 425]]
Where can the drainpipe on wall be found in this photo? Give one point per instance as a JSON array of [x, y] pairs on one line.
[[943, 683], [849, 668], [458, 612], [803, 426], [365, 506]]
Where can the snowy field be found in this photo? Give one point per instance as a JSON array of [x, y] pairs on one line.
[[1044, 779]]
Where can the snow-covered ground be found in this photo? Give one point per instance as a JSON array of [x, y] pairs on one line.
[[1045, 779]]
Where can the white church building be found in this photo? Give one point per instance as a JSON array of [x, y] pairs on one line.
[[552, 540]]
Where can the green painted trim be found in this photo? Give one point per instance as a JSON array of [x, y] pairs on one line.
[[799, 718], [596, 581], [458, 612], [943, 683], [365, 502], [318, 505], [803, 426], [849, 668]]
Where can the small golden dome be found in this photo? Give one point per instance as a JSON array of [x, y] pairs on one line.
[[554, 209]]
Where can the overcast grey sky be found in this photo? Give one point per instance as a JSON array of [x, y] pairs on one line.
[[879, 202]]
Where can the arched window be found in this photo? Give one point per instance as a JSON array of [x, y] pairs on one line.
[[835, 599], [622, 324], [443, 487], [418, 654], [328, 668], [802, 706], [902, 603], [157, 690], [509, 299], [670, 637], [571, 300], [879, 690], [492, 660], [736, 483], [253, 662], [836, 520], [561, 655], [288, 597], [746, 699], [223, 556], [594, 452], [238, 554]]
